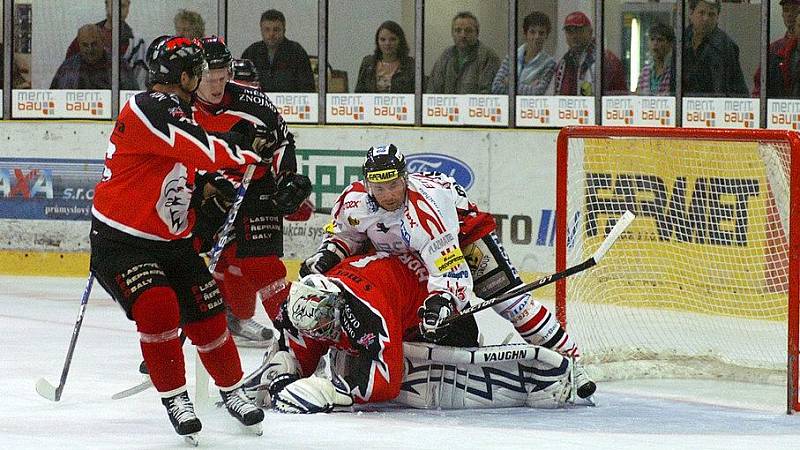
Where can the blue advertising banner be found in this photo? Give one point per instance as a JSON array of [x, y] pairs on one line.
[[48, 189]]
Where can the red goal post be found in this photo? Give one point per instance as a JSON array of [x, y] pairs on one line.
[[707, 278]]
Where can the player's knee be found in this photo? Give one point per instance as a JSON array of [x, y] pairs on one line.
[[208, 332], [156, 310]]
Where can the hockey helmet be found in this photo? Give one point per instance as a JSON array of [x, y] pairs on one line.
[[313, 307], [384, 163], [217, 54], [169, 56], [245, 70]]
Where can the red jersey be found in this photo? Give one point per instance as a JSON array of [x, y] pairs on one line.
[[382, 295], [154, 151]]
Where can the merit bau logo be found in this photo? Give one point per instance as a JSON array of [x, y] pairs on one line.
[[391, 107], [535, 109], [297, 106], [436, 162], [90, 103], [443, 107], [351, 107], [36, 101], [485, 108]]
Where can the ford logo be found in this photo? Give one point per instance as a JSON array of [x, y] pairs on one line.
[[436, 162]]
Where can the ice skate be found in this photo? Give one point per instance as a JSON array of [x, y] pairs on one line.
[[244, 410], [248, 332], [181, 413], [584, 386]]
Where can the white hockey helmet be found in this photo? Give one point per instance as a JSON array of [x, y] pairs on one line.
[[313, 306]]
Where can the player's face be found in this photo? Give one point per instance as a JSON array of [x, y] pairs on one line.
[[390, 195], [212, 85], [272, 32]]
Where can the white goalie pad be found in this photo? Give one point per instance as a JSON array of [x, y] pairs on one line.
[[496, 376]]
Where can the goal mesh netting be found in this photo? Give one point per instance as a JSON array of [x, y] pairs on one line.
[[699, 284]]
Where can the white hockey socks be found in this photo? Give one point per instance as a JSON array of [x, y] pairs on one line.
[[537, 325]]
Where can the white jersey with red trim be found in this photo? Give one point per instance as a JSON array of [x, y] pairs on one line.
[[428, 224]]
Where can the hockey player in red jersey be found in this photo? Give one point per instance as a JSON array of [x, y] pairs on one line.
[[429, 215], [251, 264], [363, 309], [141, 246]]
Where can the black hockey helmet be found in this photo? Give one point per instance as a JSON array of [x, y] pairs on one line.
[[384, 163], [245, 70], [169, 56], [217, 54]]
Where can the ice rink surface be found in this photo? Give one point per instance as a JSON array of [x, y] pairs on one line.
[[38, 315]]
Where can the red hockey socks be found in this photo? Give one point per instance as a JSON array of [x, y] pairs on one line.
[[216, 349], [157, 318]]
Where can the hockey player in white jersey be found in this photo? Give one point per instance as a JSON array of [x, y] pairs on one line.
[[396, 212]]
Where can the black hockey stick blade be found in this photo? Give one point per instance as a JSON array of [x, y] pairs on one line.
[[622, 224]]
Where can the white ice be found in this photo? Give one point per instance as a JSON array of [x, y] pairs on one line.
[[38, 315]]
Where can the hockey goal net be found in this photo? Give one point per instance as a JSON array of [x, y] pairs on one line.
[[704, 284]]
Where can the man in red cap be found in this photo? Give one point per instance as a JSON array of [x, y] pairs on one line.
[[780, 53], [575, 71]]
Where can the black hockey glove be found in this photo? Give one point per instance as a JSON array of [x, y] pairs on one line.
[[218, 196], [323, 260], [433, 311], [292, 190], [264, 141]]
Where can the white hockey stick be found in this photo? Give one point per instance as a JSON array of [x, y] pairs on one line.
[[44, 387], [622, 223]]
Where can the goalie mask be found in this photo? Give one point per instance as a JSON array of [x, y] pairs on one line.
[[313, 307]]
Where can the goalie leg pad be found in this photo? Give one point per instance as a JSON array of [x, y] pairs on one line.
[[484, 377]]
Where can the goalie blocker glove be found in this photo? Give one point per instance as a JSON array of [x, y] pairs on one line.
[[329, 255], [433, 311]]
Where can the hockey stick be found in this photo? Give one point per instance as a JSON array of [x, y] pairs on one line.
[[43, 387], [224, 234], [216, 252], [623, 223]]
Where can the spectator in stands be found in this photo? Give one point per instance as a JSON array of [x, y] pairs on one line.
[[468, 67], [710, 58], [575, 71], [131, 51], [125, 35], [282, 64], [535, 67], [389, 69], [782, 57], [658, 73], [89, 68], [189, 24]]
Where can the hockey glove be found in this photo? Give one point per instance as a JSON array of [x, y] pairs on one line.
[[264, 142], [323, 260], [312, 395], [218, 195], [433, 311], [292, 190]]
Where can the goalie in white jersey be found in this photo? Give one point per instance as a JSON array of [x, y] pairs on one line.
[[429, 214]]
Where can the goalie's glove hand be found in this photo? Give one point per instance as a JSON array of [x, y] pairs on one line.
[[292, 190], [312, 395], [436, 308], [323, 260]]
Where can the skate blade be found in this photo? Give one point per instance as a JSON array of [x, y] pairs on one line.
[[249, 343], [255, 429], [192, 439]]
